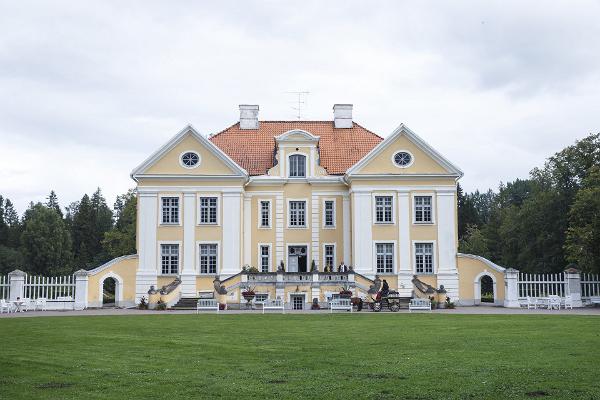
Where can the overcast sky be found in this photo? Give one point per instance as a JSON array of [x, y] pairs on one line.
[[89, 89]]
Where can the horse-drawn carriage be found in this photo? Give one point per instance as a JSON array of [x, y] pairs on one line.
[[391, 301]]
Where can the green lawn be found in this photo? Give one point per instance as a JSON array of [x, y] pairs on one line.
[[373, 356]]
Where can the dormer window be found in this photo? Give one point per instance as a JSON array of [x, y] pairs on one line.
[[297, 166]]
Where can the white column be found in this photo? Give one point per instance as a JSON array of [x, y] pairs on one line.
[[279, 216], [247, 230], [405, 271], [148, 220], [362, 241], [346, 230], [188, 268], [17, 284], [511, 289], [232, 224], [81, 289], [315, 226], [447, 273]]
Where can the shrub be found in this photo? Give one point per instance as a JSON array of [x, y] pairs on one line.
[[143, 305], [161, 305]]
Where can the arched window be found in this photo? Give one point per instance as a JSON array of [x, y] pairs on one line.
[[297, 166]]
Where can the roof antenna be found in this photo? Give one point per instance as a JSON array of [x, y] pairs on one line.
[[300, 104]]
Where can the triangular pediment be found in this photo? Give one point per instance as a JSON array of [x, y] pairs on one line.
[[424, 159], [167, 161]]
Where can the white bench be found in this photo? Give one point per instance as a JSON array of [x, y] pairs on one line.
[[419, 304], [276, 304], [207, 304], [595, 300], [340, 304]]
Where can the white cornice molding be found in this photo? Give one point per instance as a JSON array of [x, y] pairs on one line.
[[487, 262], [452, 169], [306, 135], [139, 170], [168, 177]]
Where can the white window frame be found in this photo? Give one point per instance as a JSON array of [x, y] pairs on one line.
[[333, 266], [160, 209], [414, 205], [306, 214], [261, 294], [394, 256], [198, 255], [374, 201], [324, 226], [198, 213], [289, 165], [434, 255], [159, 256], [193, 166], [260, 201], [412, 158], [259, 264]]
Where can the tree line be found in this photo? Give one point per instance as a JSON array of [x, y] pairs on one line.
[[48, 241], [541, 224]]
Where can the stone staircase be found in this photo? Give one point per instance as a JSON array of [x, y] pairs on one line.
[[186, 303]]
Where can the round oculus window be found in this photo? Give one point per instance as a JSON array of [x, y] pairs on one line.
[[402, 159], [190, 159]]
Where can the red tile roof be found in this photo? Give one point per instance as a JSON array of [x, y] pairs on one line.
[[254, 149]]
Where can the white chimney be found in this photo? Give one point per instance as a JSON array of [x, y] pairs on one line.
[[248, 116], [342, 115]]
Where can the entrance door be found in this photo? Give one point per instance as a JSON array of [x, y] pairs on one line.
[[297, 301], [297, 260]]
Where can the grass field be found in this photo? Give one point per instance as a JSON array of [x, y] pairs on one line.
[[416, 356]]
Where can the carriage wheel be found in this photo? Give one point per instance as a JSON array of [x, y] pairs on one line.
[[395, 307], [377, 307]]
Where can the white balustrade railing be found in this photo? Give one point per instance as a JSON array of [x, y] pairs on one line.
[[50, 288], [590, 285], [542, 285]]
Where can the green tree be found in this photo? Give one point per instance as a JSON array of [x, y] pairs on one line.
[[121, 240], [474, 242], [52, 203], [583, 235], [46, 242]]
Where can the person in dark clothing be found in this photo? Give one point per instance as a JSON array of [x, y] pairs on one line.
[[385, 289]]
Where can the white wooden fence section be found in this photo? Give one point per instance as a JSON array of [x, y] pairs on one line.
[[4, 287], [542, 285], [590, 286], [49, 287]]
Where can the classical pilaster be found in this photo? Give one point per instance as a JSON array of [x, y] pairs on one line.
[[146, 275], [362, 233], [315, 226], [279, 256], [346, 230], [248, 230], [232, 224], [188, 268], [447, 273], [405, 271]]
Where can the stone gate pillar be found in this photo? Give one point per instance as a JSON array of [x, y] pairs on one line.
[[81, 289], [17, 284], [573, 286], [511, 288]]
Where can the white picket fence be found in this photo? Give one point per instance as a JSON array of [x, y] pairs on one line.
[[49, 287], [58, 291], [590, 286], [4, 287], [542, 285]]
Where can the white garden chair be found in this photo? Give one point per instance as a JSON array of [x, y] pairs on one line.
[[568, 302], [553, 302], [531, 303], [40, 304], [4, 305], [28, 304]]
